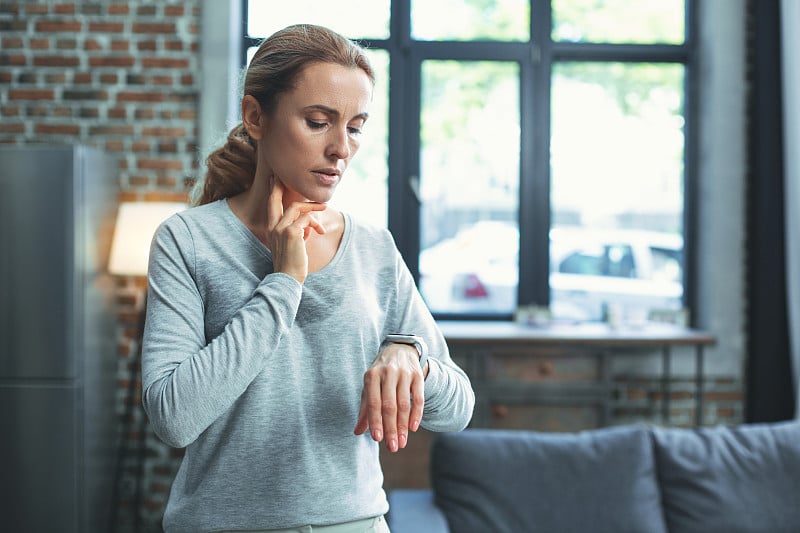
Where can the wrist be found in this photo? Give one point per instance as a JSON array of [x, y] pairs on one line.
[[412, 340]]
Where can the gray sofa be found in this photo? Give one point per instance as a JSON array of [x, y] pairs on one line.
[[622, 479]]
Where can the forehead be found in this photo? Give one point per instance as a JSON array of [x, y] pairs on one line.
[[336, 86]]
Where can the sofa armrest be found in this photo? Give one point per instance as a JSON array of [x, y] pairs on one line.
[[413, 511]]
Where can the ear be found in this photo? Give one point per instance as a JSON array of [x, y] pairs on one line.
[[252, 117]]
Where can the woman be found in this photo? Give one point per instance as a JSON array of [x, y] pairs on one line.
[[270, 350]]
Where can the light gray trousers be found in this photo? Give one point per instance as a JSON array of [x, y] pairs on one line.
[[368, 525]]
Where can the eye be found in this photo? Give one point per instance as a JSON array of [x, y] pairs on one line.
[[356, 128], [314, 125]]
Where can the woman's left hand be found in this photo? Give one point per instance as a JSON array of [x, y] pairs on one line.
[[393, 397]]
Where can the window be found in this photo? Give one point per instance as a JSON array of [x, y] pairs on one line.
[[528, 151]]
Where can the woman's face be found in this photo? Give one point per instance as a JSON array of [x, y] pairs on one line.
[[314, 131]]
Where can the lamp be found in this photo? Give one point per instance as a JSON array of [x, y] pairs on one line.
[[136, 224]]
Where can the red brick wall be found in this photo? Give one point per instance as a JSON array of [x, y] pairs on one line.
[[121, 76]]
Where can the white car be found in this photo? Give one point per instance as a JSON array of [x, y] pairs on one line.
[[476, 271]]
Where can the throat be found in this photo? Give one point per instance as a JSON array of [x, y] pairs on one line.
[[322, 249]]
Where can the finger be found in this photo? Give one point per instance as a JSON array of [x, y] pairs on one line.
[[303, 226], [389, 410], [299, 215], [315, 224], [372, 392], [308, 222], [361, 423], [403, 409], [301, 208], [417, 401]]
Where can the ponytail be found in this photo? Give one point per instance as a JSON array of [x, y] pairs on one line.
[[231, 168]]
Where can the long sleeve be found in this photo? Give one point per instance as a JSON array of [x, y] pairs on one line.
[[449, 398], [187, 381]]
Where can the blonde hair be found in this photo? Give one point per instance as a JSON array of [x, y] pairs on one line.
[[274, 69]]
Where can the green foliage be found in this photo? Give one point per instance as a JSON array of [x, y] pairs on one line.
[[619, 21], [453, 90], [631, 84], [458, 20]]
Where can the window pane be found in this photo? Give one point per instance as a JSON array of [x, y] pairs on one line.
[[356, 19], [460, 20], [617, 152], [363, 191], [469, 185], [251, 51], [619, 21]]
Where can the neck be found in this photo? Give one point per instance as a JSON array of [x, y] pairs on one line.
[[251, 205]]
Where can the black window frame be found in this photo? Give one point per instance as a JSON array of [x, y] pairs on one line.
[[536, 59]]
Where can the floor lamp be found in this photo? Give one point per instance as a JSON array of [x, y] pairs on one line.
[[136, 223]]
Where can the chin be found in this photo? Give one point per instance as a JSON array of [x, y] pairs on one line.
[[321, 196]]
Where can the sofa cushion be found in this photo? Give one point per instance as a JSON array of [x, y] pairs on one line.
[[414, 511], [510, 481], [742, 479]]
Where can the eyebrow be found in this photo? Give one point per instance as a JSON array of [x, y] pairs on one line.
[[332, 111]]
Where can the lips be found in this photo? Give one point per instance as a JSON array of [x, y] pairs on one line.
[[328, 176], [329, 171]]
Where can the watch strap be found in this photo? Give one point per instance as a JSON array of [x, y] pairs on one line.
[[413, 340]]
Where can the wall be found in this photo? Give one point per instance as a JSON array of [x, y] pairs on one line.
[[721, 198], [790, 63], [125, 77], [721, 170], [121, 76], [720, 203]]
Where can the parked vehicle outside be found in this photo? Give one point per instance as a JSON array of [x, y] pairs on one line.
[[634, 271]]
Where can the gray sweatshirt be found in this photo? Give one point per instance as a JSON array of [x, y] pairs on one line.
[[260, 377]]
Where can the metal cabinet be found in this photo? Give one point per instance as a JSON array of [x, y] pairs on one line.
[[57, 339]]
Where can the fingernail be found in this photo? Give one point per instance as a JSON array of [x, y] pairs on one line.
[[414, 425], [393, 445], [377, 435], [403, 440]]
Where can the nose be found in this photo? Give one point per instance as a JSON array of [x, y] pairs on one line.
[[339, 144]]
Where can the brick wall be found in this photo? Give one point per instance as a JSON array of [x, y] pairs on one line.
[[121, 76], [640, 399]]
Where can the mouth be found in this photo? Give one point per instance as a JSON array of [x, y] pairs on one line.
[[328, 176]]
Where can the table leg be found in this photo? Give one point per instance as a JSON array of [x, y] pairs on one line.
[[605, 379], [665, 386], [698, 415]]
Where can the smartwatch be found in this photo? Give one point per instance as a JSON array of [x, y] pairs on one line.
[[413, 340]]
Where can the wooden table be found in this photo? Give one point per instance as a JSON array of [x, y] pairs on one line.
[[599, 338]]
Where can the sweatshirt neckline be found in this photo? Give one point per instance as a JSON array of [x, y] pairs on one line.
[[259, 246]]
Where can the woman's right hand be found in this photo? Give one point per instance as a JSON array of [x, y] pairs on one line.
[[288, 230]]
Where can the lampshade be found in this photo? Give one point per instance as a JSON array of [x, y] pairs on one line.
[[135, 226]]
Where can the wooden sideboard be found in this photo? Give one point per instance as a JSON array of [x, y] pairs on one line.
[[550, 378], [517, 363]]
